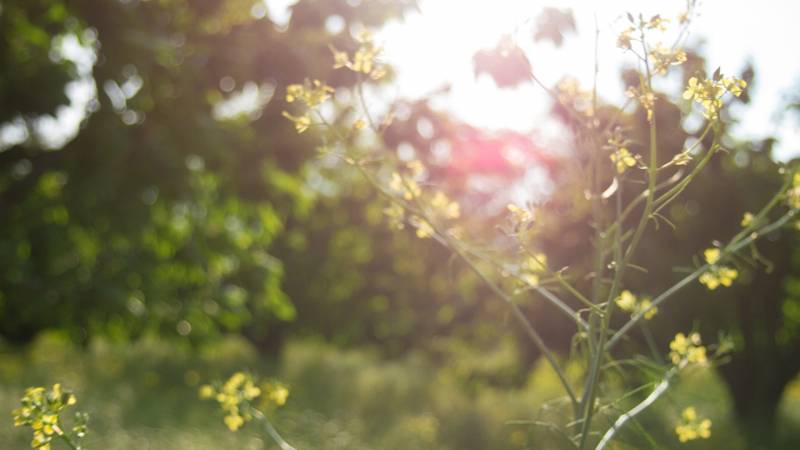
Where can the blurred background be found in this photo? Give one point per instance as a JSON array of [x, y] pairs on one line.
[[162, 225]]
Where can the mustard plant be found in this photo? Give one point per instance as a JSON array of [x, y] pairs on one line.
[[412, 200], [243, 399], [42, 411]]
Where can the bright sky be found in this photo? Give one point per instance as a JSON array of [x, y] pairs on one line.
[[435, 46]]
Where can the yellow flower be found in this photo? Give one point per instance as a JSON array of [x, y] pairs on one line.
[[623, 159], [711, 255], [234, 421], [443, 205], [520, 215], [645, 306], [692, 427], [277, 393], [206, 391], [396, 215], [424, 228], [726, 275], [408, 188], [301, 123], [626, 301], [624, 38], [340, 59], [687, 350], [747, 219]]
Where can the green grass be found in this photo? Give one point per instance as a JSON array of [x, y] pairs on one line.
[[144, 396]]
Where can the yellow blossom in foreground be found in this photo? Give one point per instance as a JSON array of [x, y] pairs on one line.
[[519, 214], [717, 275], [623, 159], [628, 302], [687, 349], [692, 427], [445, 207], [747, 219], [41, 411], [709, 92], [235, 397], [711, 255], [646, 306]]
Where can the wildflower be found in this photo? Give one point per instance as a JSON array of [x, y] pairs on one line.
[[646, 307], [711, 255], [424, 228], [311, 93], [624, 38], [359, 124], [717, 275], [623, 159], [532, 268], [41, 411], [687, 350], [402, 185], [664, 57], [692, 427], [396, 215], [709, 92], [341, 59], [301, 123], [364, 59], [519, 214], [236, 395], [444, 206], [657, 23], [747, 219], [793, 195], [628, 302]]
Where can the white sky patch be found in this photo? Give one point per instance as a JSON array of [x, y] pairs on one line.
[[435, 47]]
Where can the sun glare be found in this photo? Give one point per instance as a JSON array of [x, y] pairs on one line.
[[434, 47]]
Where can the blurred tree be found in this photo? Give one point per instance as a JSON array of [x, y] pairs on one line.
[[160, 215]]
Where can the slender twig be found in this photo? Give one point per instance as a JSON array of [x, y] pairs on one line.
[[633, 412], [271, 431], [731, 248]]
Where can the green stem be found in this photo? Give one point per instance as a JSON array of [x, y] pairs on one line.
[[636, 410], [731, 248], [271, 431]]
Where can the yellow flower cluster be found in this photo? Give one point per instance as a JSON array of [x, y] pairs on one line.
[[364, 60], [520, 215], [237, 393], [624, 39], [405, 186], [663, 57], [687, 350], [311, 94], [793, 195], [532, 268], [628, 302], [622, 159], [443, 206], [709, 92], [717, 275], [747, 219], [41, 410], [692, 427]]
